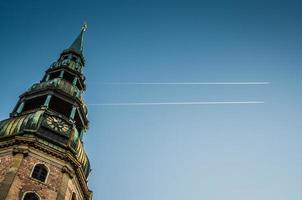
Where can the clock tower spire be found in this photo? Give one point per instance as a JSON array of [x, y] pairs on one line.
[[41, 149]]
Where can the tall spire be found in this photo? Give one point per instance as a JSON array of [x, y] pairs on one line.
[[77, 45], [44, 135]]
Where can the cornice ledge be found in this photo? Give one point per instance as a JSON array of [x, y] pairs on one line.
[[67, 170], [21, 150]]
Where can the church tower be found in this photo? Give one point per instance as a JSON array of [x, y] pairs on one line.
[[41, 149]]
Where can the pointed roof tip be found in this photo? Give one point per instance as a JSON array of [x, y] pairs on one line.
[[84, 26], [77, 45]]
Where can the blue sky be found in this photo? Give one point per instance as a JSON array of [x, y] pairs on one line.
[[174, 152]]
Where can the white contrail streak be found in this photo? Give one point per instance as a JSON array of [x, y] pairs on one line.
[[178, 103], [188, 83]]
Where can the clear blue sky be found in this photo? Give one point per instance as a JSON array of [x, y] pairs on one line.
[[174, 152]]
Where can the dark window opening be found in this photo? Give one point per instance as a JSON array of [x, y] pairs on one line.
[[68, 77], [60, 106], [54, 75], [40, 172], [57, 138], [74, 58], [34, 103], [31, 196], [78, 122], [75, 93]]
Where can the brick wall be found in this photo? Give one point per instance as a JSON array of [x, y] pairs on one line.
[[24, 182]]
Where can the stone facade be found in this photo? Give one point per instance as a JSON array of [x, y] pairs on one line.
[[23, 181], [5, 163]]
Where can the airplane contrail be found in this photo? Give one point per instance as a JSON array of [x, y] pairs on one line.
[[188, 83], [178, 103]]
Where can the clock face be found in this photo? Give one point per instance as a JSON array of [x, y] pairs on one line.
[[57, 124]]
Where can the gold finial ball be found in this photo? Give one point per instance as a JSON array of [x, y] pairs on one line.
[[85, 26]]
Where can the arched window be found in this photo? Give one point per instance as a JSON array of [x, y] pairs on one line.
[[31, 196], [40, 172]]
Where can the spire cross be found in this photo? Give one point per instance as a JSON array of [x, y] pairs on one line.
[[84, 26]]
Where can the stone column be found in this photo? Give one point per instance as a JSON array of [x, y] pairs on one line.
[[61, 74], [47, 101], [67, 176], [6, 190], [72, 113], [47, 77], [20, 107]]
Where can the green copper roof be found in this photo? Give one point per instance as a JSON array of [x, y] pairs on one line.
[[77, 45], [18, 124]]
